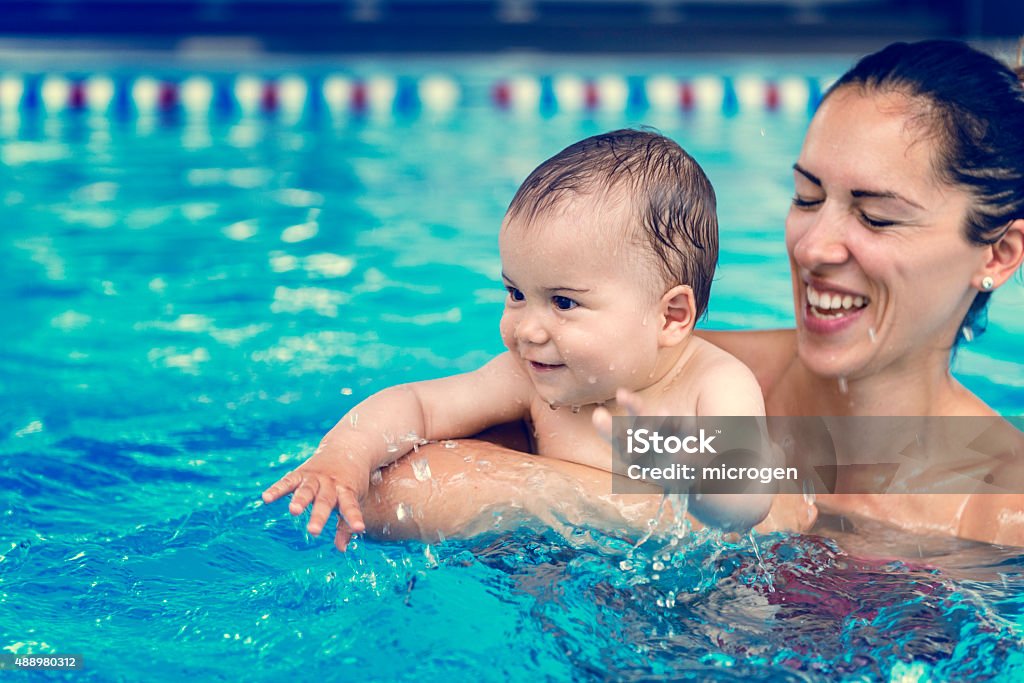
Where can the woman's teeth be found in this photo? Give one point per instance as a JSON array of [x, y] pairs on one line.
[[833, 305]]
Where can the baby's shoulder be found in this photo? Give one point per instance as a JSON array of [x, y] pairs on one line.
[[722, 383], [708, 361]]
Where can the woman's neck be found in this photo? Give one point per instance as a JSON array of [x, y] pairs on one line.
[[925, 387]]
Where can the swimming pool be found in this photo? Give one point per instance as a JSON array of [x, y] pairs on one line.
[[201, 279]]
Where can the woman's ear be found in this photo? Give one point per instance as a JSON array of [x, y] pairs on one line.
[[678, 312], [1005, 257]]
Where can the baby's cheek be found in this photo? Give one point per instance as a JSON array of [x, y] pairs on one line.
[[507, 329]]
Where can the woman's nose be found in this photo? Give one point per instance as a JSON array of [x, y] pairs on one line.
[[823, 240]]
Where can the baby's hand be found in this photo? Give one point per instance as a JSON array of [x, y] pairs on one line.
[[629, 400], [331, 478]]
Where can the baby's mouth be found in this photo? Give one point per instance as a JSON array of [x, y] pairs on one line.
[[833, 305], [545, 367]]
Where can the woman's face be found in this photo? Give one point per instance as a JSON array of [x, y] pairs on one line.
[[881, 268]]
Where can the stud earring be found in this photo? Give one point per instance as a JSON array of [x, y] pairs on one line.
[[987, 282]]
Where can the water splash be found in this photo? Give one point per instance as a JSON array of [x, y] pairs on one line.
[[421, 469], [769, 583]]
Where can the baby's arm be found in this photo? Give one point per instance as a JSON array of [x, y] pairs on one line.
[[385, 426]]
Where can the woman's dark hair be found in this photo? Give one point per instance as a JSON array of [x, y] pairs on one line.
[[974, 105]]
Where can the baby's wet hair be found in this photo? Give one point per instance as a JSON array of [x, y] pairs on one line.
[[668, 194]]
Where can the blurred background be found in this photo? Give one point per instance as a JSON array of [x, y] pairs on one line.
[[488, 25]]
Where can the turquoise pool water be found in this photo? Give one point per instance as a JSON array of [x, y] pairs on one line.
[[189, 304]]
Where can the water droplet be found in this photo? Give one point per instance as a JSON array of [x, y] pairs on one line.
[[576, 410], [968, 333], [843, 386], [401, 512], [376, 478], [552, 406], [871, 335], [657, 566], [611, 367], [808, 487], [450, 444], [421, 469], [626, 566], [592, 379], [353, 419]]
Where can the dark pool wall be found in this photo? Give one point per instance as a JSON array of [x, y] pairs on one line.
[[488, 25]]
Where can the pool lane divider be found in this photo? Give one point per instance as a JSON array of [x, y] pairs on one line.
[[293, 96]]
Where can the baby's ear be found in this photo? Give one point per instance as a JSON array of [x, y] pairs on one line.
[[678, 311]]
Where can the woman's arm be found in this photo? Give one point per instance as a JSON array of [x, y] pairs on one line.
[[476, 487]]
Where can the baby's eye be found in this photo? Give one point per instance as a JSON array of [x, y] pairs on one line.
[[515, 294], [563, 303]]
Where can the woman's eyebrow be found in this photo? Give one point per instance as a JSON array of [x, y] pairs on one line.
[[884, 195], [871, 194], [807, 174]]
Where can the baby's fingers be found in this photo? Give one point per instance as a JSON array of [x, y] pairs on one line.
[[287, 483], [343, 535], [348, 505], [602, 420], [322, 507], [308, 488], [631, 401]]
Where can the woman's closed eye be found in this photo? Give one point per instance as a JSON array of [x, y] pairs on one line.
[[563, 303], [873, 222], [805, 203]]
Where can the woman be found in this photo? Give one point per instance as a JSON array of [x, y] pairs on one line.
[[908, 214]]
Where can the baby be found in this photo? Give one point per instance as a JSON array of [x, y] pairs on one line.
[[607, 252]]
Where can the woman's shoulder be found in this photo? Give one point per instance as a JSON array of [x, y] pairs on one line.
[[766, 352]]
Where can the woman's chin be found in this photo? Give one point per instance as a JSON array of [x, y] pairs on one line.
[[839, 364]]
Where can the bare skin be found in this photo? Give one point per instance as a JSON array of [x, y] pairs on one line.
[[479, 486], [871, 223]]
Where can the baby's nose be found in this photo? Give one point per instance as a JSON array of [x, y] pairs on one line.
[[532, 330]]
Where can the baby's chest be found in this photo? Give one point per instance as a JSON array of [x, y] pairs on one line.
[[570, 436]]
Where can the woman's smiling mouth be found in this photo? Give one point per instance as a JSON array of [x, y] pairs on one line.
[[831, 310]]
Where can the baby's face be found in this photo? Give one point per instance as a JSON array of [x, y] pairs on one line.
[[582, 314]]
